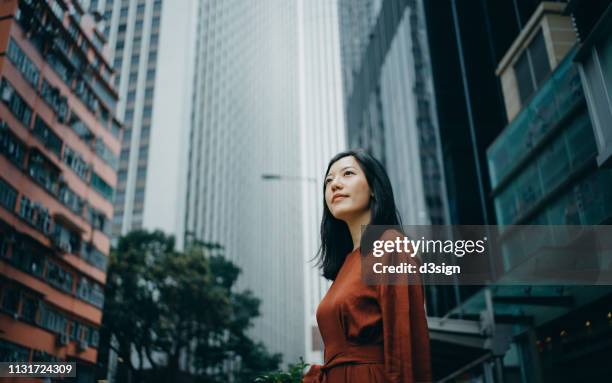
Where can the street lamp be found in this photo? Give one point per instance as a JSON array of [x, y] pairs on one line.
[[279, 177]]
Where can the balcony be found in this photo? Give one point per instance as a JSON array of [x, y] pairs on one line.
[[18, 107], [47, 137], [555, 100], [35, 214], [93, 256], [10, 146], [44, 172], [8, 196]]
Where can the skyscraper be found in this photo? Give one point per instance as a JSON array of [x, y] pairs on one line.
[[59, 145], [389, 101], [245, 123], [152, 52], [322, 136]]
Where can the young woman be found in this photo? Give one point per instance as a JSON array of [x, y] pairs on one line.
[[371, 333]]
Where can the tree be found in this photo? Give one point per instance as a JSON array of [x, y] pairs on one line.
[[177, 312]]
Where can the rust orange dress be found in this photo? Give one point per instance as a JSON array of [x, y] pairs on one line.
[[371, 333]]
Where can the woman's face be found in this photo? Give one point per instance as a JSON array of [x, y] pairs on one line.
[[347, 192]]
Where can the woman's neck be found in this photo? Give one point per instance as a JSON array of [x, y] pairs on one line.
[[354, 226]]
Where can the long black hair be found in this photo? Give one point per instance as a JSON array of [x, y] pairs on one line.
[[336, 241]]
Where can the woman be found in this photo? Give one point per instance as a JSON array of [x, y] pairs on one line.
[[371, 333]]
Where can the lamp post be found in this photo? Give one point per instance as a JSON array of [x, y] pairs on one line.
[[280, 177]]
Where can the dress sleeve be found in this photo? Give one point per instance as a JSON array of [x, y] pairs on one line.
[[405, 334]]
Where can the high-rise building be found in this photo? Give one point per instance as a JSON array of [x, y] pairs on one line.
[[152, 51], [59, 146], [322, 136], [245, 124], [517, 147], [510, 100], [390, 104]]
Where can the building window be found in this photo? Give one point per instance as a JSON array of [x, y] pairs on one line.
[[23, 63], [29, 308], [35, 214], [47, 137], [75, 161], [59, 277], [15, 103], [106, 154], [91, 292], [532, 67], [101, 186], [52, 320], [8, 196], [55, 100], [10, 146], [10, 299]]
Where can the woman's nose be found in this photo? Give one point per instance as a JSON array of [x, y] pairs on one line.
[[335, 185]]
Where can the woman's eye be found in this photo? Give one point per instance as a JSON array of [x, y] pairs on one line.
[[348, 172]]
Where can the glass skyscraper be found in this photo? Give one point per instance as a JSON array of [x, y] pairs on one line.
[[245, 123], [152, 49]]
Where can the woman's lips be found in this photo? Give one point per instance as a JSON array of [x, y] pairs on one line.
[[338, 197]]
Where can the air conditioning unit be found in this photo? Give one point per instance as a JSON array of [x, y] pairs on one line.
[[82, 345], [62, 339]]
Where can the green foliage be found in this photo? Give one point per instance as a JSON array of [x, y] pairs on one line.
[[294, 374], [174, 306]]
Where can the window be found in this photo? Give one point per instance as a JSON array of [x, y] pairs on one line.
[[43, 171], [23, 63], [69, 198], [35, 214], [125, 155], [55, 100], [27, 258], [106, 154], [141, 173], [122, 175], [532, 67], [29, 308], [10, 299], [143, 153], [10, 352], [75, 161], [52, 320], [15, 103], [47, 137], [93, 256], [99, 185], [10, 146], [91, 292], [154, 39], [59, 277], [8, 196]]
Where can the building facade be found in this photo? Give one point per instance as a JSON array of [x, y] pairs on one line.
[[151, 45], [59, 145], [523, 99], [245, 124], [389, 101], [322, 136], [520, 143]]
